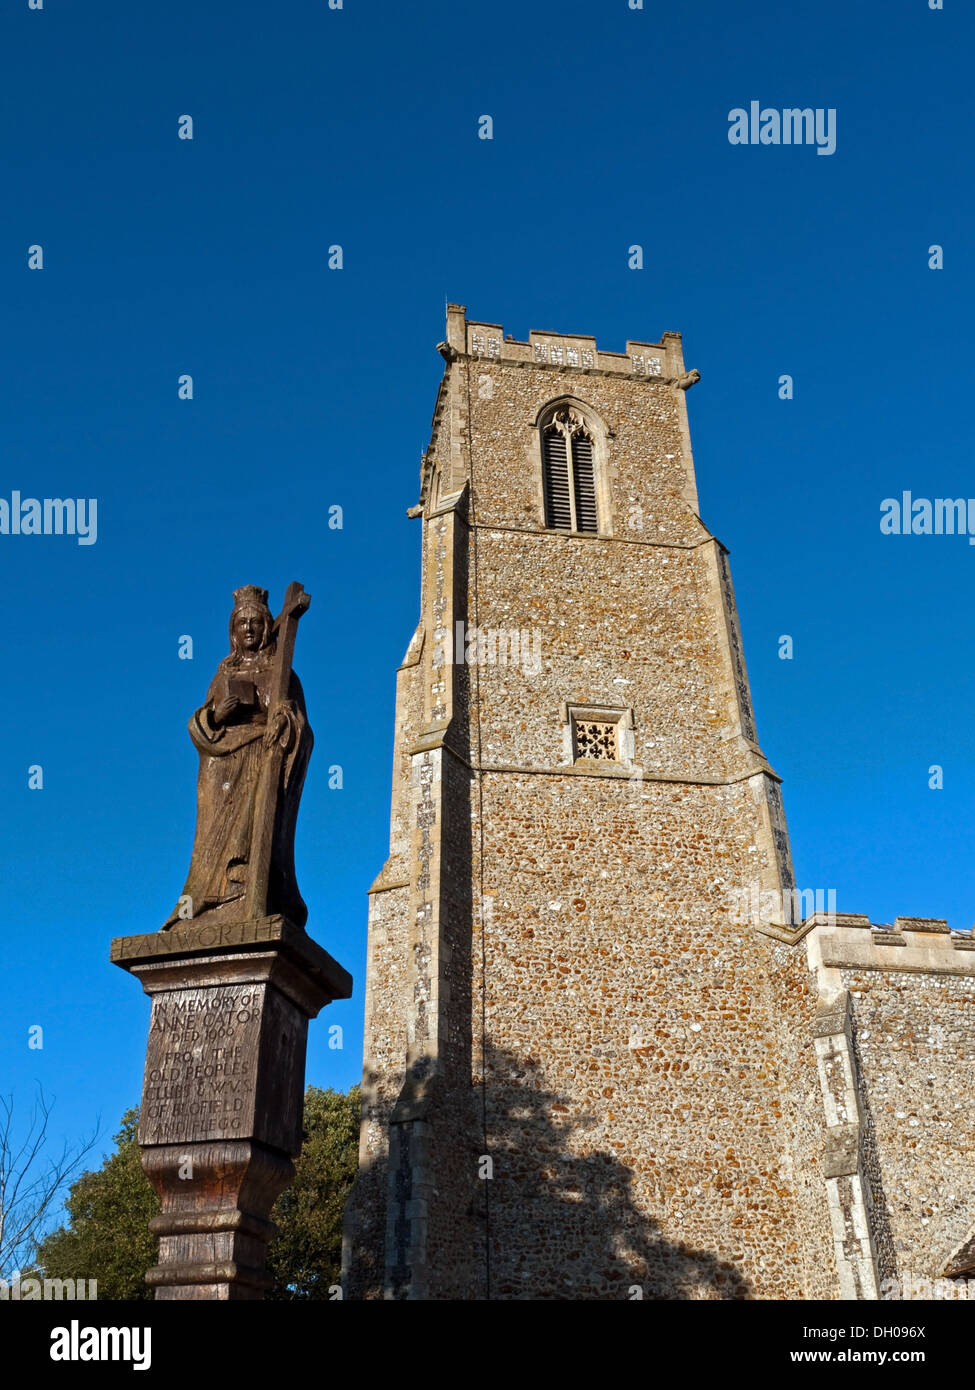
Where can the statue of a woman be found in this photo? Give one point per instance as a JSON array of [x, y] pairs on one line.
[[254, 752]]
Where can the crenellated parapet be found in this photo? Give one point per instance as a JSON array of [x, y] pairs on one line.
[[911, 944]]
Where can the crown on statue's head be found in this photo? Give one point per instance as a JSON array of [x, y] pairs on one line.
[[250, 596]]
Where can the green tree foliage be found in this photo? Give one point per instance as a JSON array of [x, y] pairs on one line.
[[305, 1258], [107, 1236]]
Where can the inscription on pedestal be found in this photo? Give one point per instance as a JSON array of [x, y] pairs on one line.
[[200, 1065]]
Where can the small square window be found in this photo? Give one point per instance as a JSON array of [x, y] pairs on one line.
[[595, 734], [596, 738]]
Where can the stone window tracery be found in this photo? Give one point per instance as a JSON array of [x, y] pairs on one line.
[[596, 739], [598, 734], [568, 472]]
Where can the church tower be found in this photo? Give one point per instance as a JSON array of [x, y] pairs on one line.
[[590, 1069]]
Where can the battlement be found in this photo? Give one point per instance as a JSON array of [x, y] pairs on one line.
[[916, 945], [562, 351]]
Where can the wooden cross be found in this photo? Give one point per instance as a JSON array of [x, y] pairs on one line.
[[285, 630]]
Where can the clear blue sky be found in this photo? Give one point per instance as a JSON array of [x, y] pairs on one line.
[[315, 387]]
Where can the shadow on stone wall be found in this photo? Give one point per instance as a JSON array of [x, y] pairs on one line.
[[552, 1223], [565, 1225]]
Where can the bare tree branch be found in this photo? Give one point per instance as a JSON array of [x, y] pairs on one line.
[[31, 1181]]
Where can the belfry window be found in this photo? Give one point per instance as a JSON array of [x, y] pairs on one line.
[[568, 473]]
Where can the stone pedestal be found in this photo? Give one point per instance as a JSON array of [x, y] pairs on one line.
[[224, 1086]]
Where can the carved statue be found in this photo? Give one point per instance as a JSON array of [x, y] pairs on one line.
[[254, 741]]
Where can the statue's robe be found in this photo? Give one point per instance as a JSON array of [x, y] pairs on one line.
[[232, 758]]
